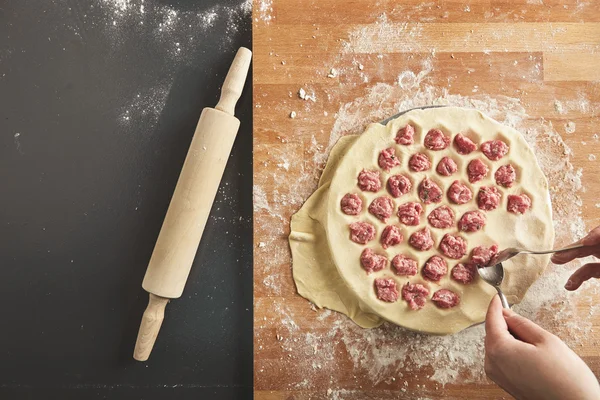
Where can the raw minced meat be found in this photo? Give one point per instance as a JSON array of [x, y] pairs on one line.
[[505, 175], [436, 140], [415, 295], [387, 159], [459, 193], [434, 269], [382, 207], [386, 289], [421, 239], [445, 298], [410, 213], [405, 136], [371, 261], [441, 217], [482, 255], [446, 167], [494, 149], [472, 221], [419, 162], [476, 170], [398, 185], [518, 204], [351, 204], [361, 232], [463, 144], [453, 246], [464, 272], [404, 266], [430, 192], [369, 180], [391, 236], [488, 198]]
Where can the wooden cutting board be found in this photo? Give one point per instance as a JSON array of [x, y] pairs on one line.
[[533, 64]]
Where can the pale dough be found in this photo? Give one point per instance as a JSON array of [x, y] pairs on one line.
[[326, 265]]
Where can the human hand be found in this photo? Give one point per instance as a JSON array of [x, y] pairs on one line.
[[589, 270], [537, 365]]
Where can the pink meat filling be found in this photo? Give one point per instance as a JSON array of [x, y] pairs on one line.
[[405, 136], [464, 273], [387, 159], [459, 193], [387, 290], [518, 204], [482, 255], [382, 207], [410, 213], [430, 192], [415, 295], [441, 218], [472, 221], [494, 149], [446, 167], [463, 144], [419, 162], [476, 170], [351, 204], [391, 236], [445, 298], [421, 239], [371, 261], [361, 232], [404, 266], [436, 140], [435, 268], [453, 246], [369, 180], [505, 175], [488, 198], [398, 185]]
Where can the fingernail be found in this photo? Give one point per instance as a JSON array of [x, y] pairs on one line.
[[569, 285]]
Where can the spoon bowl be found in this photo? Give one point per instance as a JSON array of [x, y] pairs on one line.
[[494, 275]]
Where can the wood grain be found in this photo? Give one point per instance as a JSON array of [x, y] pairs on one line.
[[543, 53]]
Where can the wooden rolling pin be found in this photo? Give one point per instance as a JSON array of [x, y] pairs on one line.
[[190, 206]]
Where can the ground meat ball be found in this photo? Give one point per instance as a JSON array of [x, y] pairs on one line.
[[494, 149], [415, 295], [391, 236], [446, 167], [430, 192], [419, 162], [398, 185], [369, 180], [488, 198], [436, 140], [421, 240], [476, 170], [482, 255], [464, 273], [453, 246], [471, 221], [505, 175], [463, 144], [434, 269], [405, 135], [410, 213], [361, 232], [518, 204], [445, 298], [459, 193], [382, 207], [387, 159], [386, 289], [351, 204], [371, 261], [404, 266], [442, 217]]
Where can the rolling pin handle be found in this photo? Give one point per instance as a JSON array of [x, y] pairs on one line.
[[234, 82], [150, 326]]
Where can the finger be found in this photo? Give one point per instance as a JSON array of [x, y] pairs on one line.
[[588, 271], [592, 243], [524, 329], [495, 325]]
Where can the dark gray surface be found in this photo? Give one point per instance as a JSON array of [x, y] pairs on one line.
[[87, 169]]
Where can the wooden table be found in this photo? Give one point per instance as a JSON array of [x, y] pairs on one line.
[[537, 59]]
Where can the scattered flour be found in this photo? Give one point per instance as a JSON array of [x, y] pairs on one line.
[[570, 127]]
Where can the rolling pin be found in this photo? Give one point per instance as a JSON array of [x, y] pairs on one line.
[[190, 205]]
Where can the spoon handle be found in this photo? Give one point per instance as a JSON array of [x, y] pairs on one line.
[[577, 246], [502, 297]]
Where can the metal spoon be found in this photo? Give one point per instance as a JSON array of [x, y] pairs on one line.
[[494, 274], [513, 251]]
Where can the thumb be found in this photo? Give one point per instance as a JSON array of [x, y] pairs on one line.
[[524, 329]]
